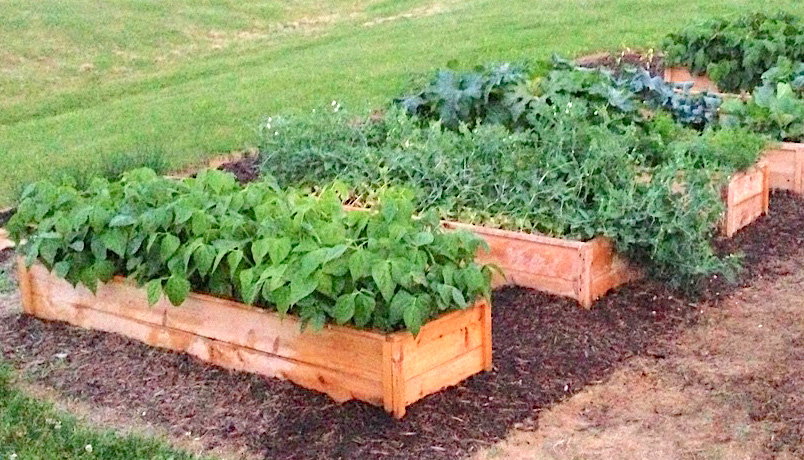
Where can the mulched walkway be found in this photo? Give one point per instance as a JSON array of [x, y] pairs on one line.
[[545, 349]]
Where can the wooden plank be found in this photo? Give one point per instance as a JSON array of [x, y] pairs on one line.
[[385, 386], [420, 357], [747, 198], [488, 362], [682, 75], [116, 297], [357, 354], [341, 387], [448, 374], [786, 165], [26, 288]]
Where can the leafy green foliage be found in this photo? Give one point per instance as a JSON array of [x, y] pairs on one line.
[[495, 94], [776, 108], [736, 52], [286, 250], [566, 176], [502, 95]]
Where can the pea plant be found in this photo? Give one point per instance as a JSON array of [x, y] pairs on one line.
[[285, 250], [566, 176]]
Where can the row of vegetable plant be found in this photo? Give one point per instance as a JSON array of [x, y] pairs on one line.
[[285, 250], [574, 172], [736, 52]]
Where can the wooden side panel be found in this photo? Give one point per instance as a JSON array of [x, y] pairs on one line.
[[339, 386], [446, 350], [608, 269], [681, 75], [119, 298], [747, 198], [447, 374], [26, 287], [355, 353], [786, 167]]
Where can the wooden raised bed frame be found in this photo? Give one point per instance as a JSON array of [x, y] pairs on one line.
[[747, 197], [682, 74], [582, 270], [786, 167], [390, 370]]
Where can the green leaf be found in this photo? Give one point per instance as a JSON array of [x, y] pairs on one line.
[[259, 249], [233, 260], [122, 220], [301, 288], [278, 249], [168, 247], [204, 257], [154, 290], [381, 274], [61, 269], [98, 247], [359, 265], [423, 238], [344, 308], [115, 241], [364, 308], [177, 289], [77, 245], [413, 317], [401, 302]]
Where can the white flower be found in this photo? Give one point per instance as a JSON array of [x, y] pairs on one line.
[[88, 448], [313, 110], [13, 457], [334, 103], [569, 104], [268, 125], [270, 119], [276, 133]]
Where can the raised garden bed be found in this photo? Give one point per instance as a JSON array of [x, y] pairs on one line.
[[582, 270], [392, 370], [747, 197], [786, 167], [682, 74]]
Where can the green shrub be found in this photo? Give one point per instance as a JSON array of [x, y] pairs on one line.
[[284, 250], [735, 52]]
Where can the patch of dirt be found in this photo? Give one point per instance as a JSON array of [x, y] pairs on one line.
[[728, 388], [420, 12], [545, 350], [616, 61], [246, 169]]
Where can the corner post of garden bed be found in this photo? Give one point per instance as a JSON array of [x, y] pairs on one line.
[[26, 290], [393, 378], [488, 364], [584, 289]]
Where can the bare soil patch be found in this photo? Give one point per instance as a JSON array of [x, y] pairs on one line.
[[545, 349]]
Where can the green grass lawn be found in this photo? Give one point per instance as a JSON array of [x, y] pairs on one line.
[[91, 86], [31, 429]]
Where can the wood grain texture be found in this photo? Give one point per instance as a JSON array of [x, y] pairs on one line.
[[682, 75], [786, 167], [747, 197], [582, 270], [343, 362]]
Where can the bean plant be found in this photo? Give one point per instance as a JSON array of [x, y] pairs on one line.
[[285, 250]]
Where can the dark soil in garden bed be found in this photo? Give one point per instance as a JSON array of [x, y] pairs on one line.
[[545, 349], [616, 61], [246, 169]]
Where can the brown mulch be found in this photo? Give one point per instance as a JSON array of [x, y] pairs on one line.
[[545, 349], [246, 169]]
